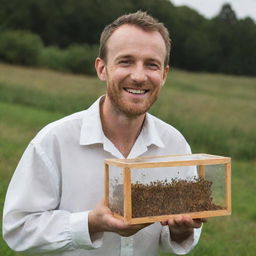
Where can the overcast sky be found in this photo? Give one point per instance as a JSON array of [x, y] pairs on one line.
[[210, 8]]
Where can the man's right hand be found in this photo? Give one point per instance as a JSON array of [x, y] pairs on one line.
[[101, 219]]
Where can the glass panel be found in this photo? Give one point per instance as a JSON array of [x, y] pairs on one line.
[[216, 174], [161, 191], [116, 199], [176, 190]]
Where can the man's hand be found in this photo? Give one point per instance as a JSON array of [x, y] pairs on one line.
[[101, 219], [181, 227]]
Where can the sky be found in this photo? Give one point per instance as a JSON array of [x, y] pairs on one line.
[[210, 8]]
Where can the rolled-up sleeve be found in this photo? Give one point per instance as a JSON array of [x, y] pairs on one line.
[[31, 218]]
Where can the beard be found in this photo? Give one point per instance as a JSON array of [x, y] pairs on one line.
[[131, 108]]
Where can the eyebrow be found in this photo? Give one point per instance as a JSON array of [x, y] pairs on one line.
[[131, 57], [124, 57]]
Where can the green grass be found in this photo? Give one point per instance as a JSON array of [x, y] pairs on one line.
[[216, 113], [207, 110]]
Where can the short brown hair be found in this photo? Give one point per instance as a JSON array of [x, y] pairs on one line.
[[141, 20]]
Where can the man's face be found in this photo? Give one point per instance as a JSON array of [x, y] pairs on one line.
[[134, 69]]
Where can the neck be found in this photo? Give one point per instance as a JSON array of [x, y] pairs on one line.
[[120, 129]]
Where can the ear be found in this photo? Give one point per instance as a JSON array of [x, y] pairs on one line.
[[100, 67], [165, 73]]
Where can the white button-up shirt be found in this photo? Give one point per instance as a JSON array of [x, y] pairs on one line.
[[59, 179]]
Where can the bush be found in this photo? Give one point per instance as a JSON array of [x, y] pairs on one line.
[[20, 47], [52, 57], [75, 58], [26, 48], [81, 58]]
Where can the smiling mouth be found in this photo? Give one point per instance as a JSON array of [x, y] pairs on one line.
[[136, 91]]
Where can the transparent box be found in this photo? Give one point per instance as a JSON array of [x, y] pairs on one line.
[[151, 189]]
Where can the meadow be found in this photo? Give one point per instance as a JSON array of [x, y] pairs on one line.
[[216, 114]]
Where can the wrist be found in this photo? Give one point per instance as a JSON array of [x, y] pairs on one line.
[[92, 224], [180, 235]]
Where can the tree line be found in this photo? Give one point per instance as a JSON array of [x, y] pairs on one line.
[[223, 44]]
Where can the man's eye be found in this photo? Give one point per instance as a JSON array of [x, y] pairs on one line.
[[124, 62], [153, 65]]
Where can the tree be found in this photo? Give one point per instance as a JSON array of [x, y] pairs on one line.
[[227, 14], [222, 44]]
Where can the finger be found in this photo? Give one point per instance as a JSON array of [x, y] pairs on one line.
[[164, 223], [121, 225], [138, 226], [175, 222], [179, 221], [192, 223], [171, 222], [184, 221], [117, 224], [202, 220]]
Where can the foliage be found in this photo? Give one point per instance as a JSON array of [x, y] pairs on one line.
[[75, 58], [52, 57], [21, 47], [81, 58], [224, 44], [227, 14]]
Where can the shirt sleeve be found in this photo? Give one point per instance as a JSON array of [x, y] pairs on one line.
[[185, 247], [31, 218]]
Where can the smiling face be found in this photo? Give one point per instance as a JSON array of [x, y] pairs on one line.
[[134, 69]]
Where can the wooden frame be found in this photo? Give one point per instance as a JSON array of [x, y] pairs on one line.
[[200, 160]]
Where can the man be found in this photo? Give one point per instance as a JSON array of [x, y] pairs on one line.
[[53, 203]]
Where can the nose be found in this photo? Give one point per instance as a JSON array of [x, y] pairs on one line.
[[138, 74]]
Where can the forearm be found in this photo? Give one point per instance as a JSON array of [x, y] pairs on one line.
[[48, 232], [43, 232]]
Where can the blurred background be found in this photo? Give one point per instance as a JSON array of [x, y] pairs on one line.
[[47, 53], [59, 34]]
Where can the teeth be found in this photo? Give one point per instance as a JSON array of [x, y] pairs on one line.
[[135, 91]]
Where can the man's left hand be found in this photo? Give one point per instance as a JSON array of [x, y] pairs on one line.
[[181, 227]]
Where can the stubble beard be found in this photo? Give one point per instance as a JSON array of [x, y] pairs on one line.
[[131, 110]]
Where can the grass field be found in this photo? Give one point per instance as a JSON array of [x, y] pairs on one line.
[[216, 113]]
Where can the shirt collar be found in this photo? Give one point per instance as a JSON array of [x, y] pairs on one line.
[[150, 134], [91, 130], [92, 133]]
